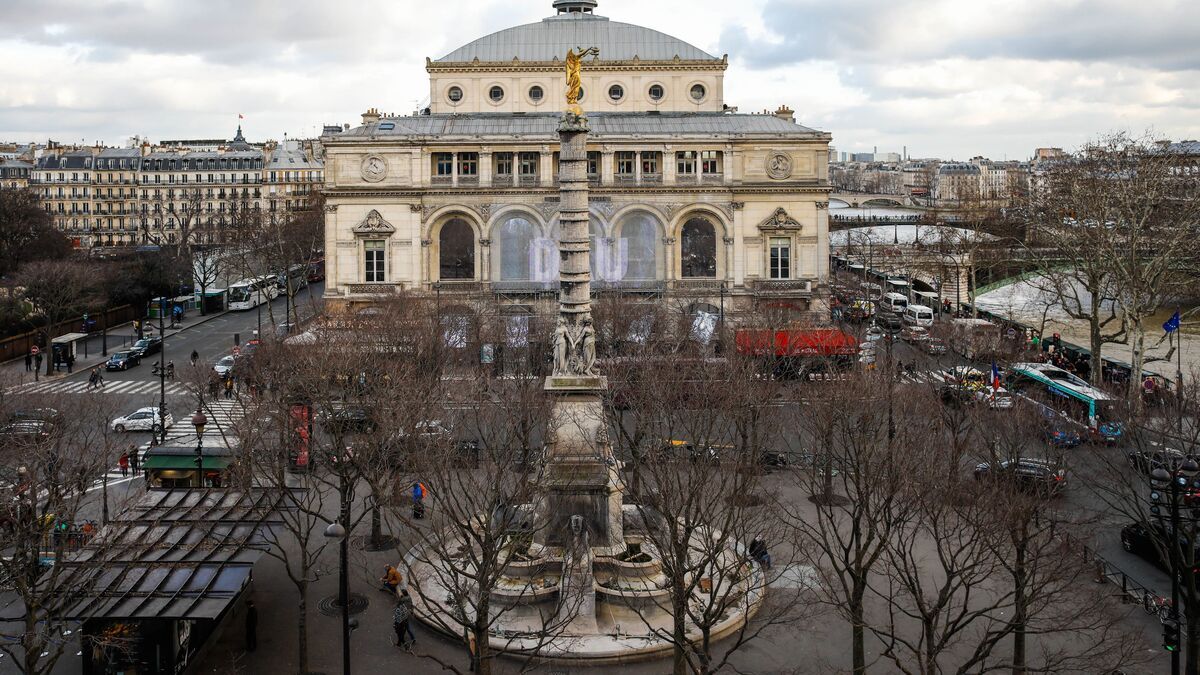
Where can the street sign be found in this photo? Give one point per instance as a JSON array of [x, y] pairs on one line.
[[34, 350]]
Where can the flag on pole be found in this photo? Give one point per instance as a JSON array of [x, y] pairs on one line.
[[995, 377], [241, 116], [1172, 323]]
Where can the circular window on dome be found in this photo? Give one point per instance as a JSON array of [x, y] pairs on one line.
[[496, 94], [581, 93], [536, 93], [698, 92], [657, 92], [616, 92], [455, 94]]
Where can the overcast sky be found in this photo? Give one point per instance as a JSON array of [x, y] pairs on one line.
[[948, 78]]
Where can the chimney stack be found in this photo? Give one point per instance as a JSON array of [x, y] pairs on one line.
[[371, 116], [785, 113]]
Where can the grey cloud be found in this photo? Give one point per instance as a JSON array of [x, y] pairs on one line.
[[1150, 33]]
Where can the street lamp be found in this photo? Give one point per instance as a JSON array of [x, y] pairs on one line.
[[162, 373], [198, 421], [335, 530], [1176, 479]]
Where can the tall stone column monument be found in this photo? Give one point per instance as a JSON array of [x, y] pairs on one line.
[[580, 474]]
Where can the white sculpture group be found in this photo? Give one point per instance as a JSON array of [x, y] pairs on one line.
[[575, 348]]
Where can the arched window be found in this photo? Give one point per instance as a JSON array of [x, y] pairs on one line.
[[525, 254], [698, 246], [516, 236], [637, 252], [456, 250]]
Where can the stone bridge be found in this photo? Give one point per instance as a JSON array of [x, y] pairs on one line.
[[863, 199]]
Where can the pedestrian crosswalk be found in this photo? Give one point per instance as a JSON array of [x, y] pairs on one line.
[[84, 387], [223, 416]]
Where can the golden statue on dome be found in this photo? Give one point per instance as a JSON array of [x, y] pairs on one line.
[[574, 79]]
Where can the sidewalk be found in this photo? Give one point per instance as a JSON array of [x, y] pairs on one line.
[[90, 352]]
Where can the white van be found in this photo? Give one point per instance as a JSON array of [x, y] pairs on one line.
[[894, 302], [918, 315]]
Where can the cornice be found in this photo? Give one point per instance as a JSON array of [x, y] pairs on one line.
[[604, 191], [516, 66]]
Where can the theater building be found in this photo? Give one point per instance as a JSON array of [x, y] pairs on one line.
[[692, 202]]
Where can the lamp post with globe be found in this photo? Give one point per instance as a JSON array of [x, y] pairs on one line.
[[199, 420], [335, 530]]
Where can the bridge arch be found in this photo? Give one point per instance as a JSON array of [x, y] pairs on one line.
[[882, 201], [835, 203]]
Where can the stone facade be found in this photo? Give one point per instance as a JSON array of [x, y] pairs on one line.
[[688, 200]]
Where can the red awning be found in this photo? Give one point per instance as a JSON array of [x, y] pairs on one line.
[[818, 342]]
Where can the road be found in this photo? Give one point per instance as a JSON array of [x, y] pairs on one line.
[[126, 391]]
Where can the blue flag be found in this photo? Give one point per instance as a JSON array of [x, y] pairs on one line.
[[1172, 323]]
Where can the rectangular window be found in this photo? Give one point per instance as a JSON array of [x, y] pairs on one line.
[[468, 163], [443, 164], [685, 163], [781, 258], [625, 163], [593, 165], [650, 163], [376, 270], [710, 161], [528, 163]]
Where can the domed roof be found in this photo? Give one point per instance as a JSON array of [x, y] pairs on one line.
[[552, 37]]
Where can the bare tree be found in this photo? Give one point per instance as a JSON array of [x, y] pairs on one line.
[[58, 290]]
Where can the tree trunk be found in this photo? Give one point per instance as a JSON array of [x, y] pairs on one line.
[[856, 627], [1097, 344], [376, 526], [1137, 361], [203, 297], [679, 629], [302, 623], [1020, 608]]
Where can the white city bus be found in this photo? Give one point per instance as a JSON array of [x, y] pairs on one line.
[[250, 293]]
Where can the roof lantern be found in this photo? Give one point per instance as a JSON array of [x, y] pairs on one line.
[[580, 6]]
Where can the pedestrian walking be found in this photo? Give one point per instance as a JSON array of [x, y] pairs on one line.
[[195, 357], [228, 387], [28, 362], [134, 460], [99, 377], [93, 378], [473, 649], [251, 626], [402, 622], [123, 462], [391, 579], [418, 498], [214, 385]]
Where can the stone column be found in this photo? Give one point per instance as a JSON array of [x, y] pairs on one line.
[[580, 477], [575, 265], [485, 167]]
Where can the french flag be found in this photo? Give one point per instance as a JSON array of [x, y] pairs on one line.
[[995, 377]]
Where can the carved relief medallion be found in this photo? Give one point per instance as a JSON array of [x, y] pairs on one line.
[[374, 168], [779, 165]]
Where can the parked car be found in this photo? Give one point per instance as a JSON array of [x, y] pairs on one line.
[[890, 323], [147, 346], [1062, 436], [996, 399], [874, 334], [225, 366], [935, 346], [1144, 540], [347, 418], [1109, 433], [1146, 461], [24, 432], [123, 360], [914, 334], [144, 419], [1035, 475], [40, 414]]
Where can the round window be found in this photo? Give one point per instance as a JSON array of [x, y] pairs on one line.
[[496, 94], [454, 94], [656, 92], [536, 93], [581, 93], [616, 92], [698, 92]]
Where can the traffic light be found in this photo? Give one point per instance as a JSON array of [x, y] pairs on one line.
[[1170, 636]]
